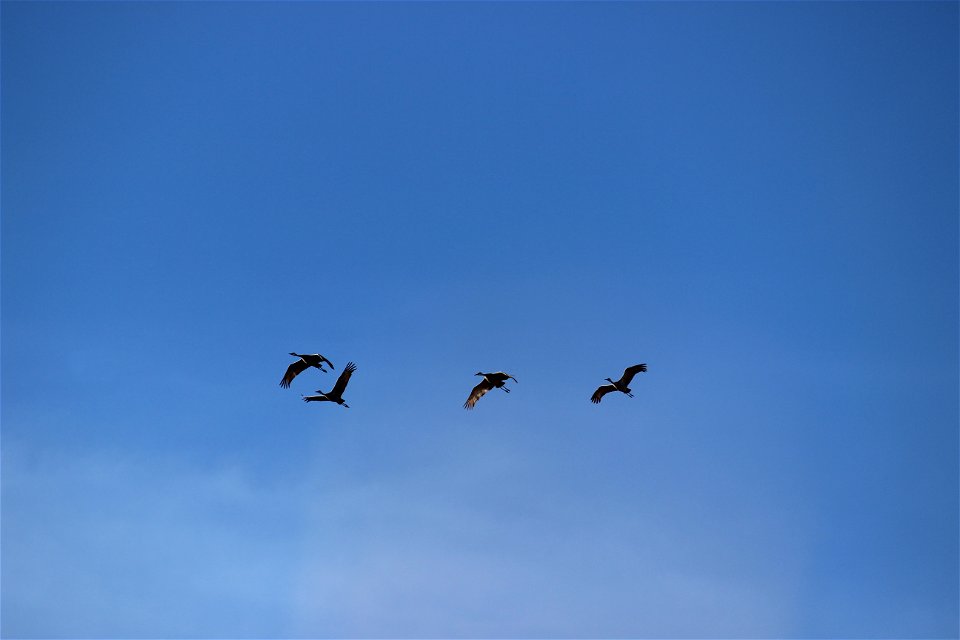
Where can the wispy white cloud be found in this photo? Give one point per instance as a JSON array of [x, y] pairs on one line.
[[430, 554], [115, 545], [476, 544]]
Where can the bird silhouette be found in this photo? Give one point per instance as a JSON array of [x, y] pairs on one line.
[[335, 394], [490, 381], [306, 361], [621, 385]]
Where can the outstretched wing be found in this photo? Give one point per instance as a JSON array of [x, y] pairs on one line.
[[292, 372], [629, 372], [477, 393], [600, 392], [500, 376], [344, 378]]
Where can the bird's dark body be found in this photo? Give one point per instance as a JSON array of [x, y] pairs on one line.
[[496, 380], [618, 385], [306, 360], [335, 394]]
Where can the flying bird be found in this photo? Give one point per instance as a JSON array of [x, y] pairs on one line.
[[306, 361], [490, 380], [335, 394], [621, 385]]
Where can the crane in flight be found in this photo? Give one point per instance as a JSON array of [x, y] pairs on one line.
[[622, 385], [335, 394], [490, 381], [306, 361]]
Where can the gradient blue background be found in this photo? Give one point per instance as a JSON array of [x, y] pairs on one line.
[[757, 199]]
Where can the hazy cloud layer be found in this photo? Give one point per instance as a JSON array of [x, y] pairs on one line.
[[183, 551]]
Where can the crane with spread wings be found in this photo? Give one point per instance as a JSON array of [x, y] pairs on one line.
[[306, 361], [335, 394], [622, 385], [495, 380]]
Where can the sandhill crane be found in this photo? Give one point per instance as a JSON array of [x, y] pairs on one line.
[[490, 380], [306, 361], [620, 385], [335, 394]]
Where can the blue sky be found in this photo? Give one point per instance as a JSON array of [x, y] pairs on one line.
[[759, 200]]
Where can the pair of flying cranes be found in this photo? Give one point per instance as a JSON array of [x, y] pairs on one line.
[[496, 380]]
